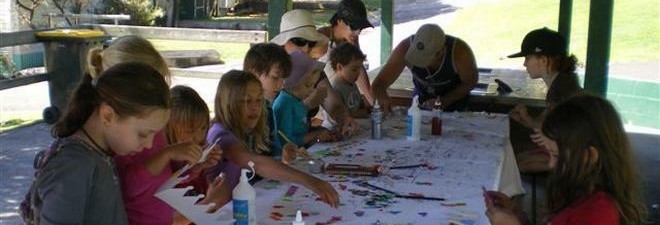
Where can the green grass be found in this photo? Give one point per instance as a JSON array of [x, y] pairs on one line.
[[321, 18], [229, 52], [14, 119], [496, 29]]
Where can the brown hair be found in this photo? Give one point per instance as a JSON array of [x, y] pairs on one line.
[[229, 100], [261, 57], [344, 54], [131, 89], [188, 111], [578, 124], [127, 49]]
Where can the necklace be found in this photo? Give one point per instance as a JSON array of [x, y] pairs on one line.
[[97, 147]]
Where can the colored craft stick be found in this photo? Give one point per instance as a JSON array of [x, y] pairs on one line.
[[407, 167], [420, 197], [284, 137]]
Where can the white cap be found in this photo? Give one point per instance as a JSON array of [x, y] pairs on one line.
[[428, 40], [299, 220]]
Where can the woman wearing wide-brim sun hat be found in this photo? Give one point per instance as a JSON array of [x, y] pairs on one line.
[[298, 32]]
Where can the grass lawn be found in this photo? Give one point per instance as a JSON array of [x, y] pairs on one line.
[[321, 18], [495, 29], [13, 119]]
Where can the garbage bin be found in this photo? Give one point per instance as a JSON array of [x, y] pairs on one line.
[[66, 62]]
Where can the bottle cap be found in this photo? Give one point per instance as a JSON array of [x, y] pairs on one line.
[[299, 220]]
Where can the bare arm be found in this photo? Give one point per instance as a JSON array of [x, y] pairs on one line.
[[269, 168], [364, 86], [333, 104], [389, 73], [466, 67]]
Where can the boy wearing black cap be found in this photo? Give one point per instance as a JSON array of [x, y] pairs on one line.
[[443, 68], [546, 57]]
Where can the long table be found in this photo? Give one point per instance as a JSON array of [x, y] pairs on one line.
[[473, 151]]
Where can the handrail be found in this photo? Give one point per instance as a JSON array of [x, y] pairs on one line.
[[187, 34], [19, 38], [22, 81], [77, 17]]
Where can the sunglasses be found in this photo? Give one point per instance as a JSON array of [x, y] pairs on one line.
[[301, 42]]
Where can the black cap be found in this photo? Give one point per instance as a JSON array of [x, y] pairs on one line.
[[542, 41], [354, 13]]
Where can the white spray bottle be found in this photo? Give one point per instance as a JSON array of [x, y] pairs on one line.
[[243, 202], [414, 121]]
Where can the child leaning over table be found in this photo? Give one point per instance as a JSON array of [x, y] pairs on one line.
[[240, 122], [289, 110], [346, 60]]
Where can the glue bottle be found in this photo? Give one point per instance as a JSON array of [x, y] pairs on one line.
[[414, 121], [299, 220], [243, 202], [376, 121]]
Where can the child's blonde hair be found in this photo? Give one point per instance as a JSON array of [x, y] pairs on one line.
[[188, 111], [229, 100], [127, 49]]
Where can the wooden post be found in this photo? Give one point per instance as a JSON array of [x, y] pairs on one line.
[[275, 11], [598, 46]]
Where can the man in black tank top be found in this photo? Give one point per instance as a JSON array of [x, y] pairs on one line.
[[443, 68]]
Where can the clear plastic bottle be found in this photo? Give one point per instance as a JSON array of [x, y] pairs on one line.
[[243, 202], [414, 121], [376, 122]]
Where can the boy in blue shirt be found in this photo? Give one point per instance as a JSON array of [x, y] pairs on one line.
[[289, 111]]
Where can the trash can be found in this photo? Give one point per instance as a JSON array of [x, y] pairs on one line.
[[66, 62]]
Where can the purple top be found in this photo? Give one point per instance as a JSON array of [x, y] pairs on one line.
[[231, 170]]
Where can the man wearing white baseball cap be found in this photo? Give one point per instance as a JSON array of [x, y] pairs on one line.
[[443, 68]]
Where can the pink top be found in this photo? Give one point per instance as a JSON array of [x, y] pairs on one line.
[[596, 209], [139, 186]]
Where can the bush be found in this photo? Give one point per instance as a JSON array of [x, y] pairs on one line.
[[141, 11]]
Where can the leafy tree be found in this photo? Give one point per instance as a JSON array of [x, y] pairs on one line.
[[142, 11]]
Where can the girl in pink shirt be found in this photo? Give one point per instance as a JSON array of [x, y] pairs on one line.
[[595, 179], [179, 144]]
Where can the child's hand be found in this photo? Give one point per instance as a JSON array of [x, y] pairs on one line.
[[519, 114], [214, 193], [324, 190], [501, 209], [349, 127], [187, 151], [211, 160], [327, 136], [538, 138], [501, 216], [291, 151]]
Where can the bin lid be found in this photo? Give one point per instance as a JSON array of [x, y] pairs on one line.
[[71, 33]]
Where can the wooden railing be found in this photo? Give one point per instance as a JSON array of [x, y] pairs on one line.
[[76, 17]]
